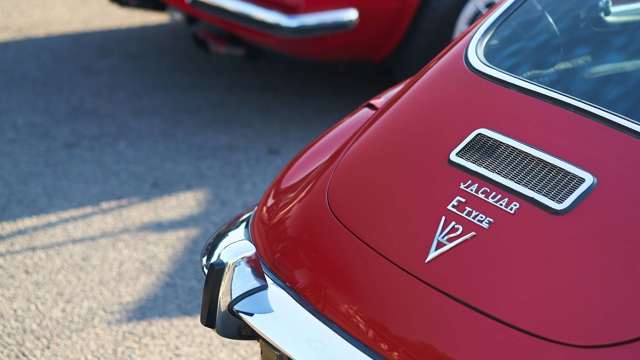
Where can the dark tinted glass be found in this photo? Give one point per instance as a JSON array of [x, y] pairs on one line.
[[588, 49]]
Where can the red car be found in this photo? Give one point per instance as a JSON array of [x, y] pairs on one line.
[[483, 209], [406, 32]]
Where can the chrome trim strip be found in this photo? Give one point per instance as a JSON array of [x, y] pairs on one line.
[[292, 329], [589, 179], [475, 56], [279, 23]]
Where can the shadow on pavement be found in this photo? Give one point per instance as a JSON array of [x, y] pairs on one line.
[[141, 113]]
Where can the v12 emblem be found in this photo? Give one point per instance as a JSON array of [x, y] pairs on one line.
[[446, 238]]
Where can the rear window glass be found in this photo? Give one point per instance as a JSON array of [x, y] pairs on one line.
[[586, 49]]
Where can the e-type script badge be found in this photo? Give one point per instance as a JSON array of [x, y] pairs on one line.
[[446, 238]]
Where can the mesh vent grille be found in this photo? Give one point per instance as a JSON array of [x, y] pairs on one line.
[[539, 176]]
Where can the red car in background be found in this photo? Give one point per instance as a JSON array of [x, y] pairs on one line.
[[483, 209], [405, 33]]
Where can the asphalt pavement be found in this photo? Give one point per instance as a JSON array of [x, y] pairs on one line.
[[122, 147]]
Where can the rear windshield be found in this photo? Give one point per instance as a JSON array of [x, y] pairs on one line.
[[586, 49]]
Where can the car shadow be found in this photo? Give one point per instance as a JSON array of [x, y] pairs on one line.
[[140, 113]]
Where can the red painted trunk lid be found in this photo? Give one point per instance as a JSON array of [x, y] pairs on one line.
[[568, 278]]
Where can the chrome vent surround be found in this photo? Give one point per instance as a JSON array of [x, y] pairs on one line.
[[546, 179]]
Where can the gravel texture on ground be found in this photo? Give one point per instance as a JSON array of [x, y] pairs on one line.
[[123, 147]]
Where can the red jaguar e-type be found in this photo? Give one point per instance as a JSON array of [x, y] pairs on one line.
[[407, 32], [481, 210]]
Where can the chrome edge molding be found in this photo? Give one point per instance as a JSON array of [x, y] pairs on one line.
[[589, 179], [243, 302], [279, 23], [475, 57], [291, 328]]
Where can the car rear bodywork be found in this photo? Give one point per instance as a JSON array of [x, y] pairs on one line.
[[349, 224]]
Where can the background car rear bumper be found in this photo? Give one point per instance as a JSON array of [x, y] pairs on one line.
[[277, 23], [385, 22]]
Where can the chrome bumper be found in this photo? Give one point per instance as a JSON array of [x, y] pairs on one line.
[[243, 302], [279, 23]]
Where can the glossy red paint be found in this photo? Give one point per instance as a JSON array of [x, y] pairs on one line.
[[544, 273], [349, 222], [385, 21]]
